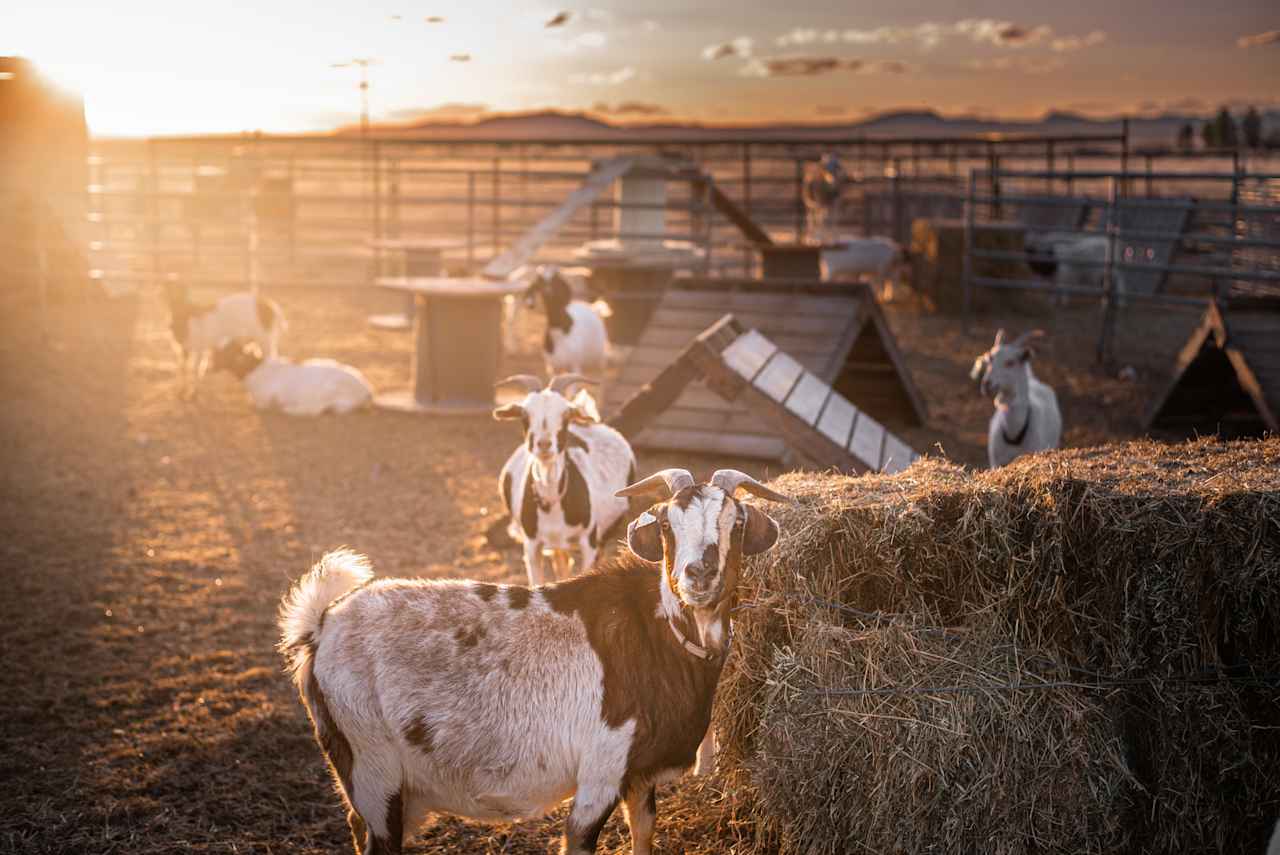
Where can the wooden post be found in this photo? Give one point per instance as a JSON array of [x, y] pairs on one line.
[[1124, 157], [497, 216], [970, 204], [471, 219], [1048, 184], [1108, 274], [799, 191], [895, 189], [746, 201]]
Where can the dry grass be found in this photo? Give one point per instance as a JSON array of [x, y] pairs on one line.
[[146, 543]]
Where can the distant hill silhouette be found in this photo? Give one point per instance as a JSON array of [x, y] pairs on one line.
[[544, 124]]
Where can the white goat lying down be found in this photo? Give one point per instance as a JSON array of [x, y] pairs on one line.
[[576, 340], [200, 329], [309, 388], [878, 258], [1027, 418], [559, 484], [498, 702]]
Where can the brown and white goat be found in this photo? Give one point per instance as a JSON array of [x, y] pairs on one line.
[[199, 329], [498, 702]]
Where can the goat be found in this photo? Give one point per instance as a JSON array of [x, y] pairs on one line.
[[823, 183], [497, 702], [199, 329], [559, 484], [879, 258], [1074, 260], [1027, 418], [575, 341], [309, 388]]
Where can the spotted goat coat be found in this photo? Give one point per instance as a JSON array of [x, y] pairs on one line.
[[498, 702]]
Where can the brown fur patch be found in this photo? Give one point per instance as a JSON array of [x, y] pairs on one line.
[[468, 638], [517, 596], [266, 312], [485, 591], [421, 735], [334, 744]]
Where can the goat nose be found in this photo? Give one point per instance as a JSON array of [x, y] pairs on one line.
[[544, 445]]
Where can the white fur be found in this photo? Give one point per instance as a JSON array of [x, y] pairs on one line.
[[878, 258], [232, 317], [606, 464], [1020, 399], [309, 388], [584, 349]]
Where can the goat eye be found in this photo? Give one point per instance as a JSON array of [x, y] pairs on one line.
[[666, 525]]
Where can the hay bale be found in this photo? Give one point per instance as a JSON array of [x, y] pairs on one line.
[[1143, 562], [862, 738]]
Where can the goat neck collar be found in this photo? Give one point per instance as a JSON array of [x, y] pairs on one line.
[[711, 657], [562, 486], [1022, 434]]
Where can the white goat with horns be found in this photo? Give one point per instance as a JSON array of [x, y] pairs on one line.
[[498, 702], [1027, 418], [559, 483]]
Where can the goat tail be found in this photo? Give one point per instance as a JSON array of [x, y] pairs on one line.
[[303, 607], [602, 309]]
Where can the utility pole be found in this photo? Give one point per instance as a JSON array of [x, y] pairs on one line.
[[363, 64]]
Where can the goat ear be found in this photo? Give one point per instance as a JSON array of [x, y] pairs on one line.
[[761, 531], [644, 536], [509, 411], [577, 415]]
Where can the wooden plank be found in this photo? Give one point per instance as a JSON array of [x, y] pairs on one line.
[[737, 216], [531, 241], [748, 354], [779, 376], [807, 400], [837, 419], [867, 440], [696, 320], [897, 455]]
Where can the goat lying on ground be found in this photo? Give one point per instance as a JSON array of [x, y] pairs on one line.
[[878, 258], [200, 329], [575, 341], [498, 702], [309, 388], [1027, 418], [559, 484], [823, 184]]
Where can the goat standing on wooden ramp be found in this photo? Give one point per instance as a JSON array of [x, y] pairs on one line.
[[498, 702], [576, 341], [1027, 418], [559, 484], [824, 181], [200, 329], [309, 388]]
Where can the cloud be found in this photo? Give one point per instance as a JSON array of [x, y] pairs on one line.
[[741, 46], [1070, 44], [929, 34], [592, 39], [630, 108], [605, 78], [1270, 37], [814, 66], [1020, 64]]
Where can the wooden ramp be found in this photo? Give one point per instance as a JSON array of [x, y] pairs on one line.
[[600, 178], [747, 369], [834, 330], [1227, 380]]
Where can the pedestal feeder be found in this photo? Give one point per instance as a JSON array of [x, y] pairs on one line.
[[417, 257], [632, 269], [457, 344]]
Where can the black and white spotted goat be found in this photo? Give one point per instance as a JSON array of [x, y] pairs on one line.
[[575, 341], [199, 329], [498, 702], [559, 484]]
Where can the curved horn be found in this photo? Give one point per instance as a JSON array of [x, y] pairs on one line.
[[528, 381], [731, 480], [562, 383], [1029, 337], [999, 337], [666, 483]]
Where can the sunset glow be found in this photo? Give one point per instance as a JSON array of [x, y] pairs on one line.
[[149, 66]]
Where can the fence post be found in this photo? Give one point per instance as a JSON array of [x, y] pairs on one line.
[[1108, 274], [497, 215], [966, 274], [1124, 157], [895, 191], [746, 201], [1048, 184], [799, 191], [471, 219]]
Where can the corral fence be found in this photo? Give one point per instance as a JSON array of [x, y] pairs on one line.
[[309, 210], [1137, 242]]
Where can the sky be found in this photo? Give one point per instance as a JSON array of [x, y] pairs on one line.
[[175, 67]]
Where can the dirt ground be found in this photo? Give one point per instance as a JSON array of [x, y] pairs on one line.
[[146, 542]]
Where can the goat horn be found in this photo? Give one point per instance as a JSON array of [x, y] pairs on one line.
[[562, 383], [666, 483], [528, 381], [731, 480], [999, 337]]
